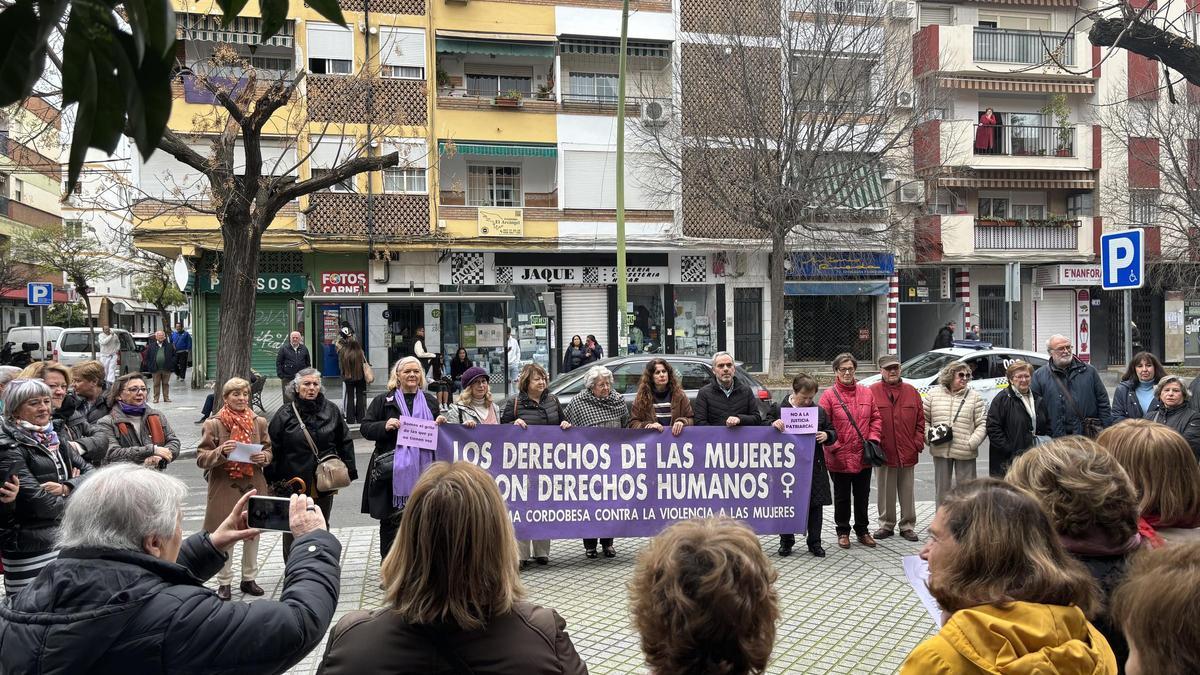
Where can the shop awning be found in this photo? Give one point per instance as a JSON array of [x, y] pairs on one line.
[[495, 44], [1023, 180], [498, 149], [608, 47], [243, 30], [847, 186], [405, 296], [835, 287]]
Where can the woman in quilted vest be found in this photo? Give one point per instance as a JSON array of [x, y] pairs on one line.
[[956, 408], [234, 424]]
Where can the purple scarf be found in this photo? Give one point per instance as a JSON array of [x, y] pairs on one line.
[[407, 462], [135, 410]]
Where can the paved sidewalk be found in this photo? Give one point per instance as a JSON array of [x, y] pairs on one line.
[[852, 612]]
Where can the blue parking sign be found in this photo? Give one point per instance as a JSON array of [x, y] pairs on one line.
[[39, 294], [1122, 260]]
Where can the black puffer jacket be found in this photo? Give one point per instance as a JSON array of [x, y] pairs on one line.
[[292, 455], [74, 426], [543, 412], [1181, 418], [102, 611], [1010, 431], [378, 501], [712, 407], [32, 524], [821, 496]]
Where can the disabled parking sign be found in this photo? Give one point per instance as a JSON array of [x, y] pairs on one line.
[[1122, 260]]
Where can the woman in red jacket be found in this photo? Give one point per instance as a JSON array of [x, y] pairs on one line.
[[985, 134], [851, 407]]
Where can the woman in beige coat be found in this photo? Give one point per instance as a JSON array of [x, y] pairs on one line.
[[228, 481], [955, 405]]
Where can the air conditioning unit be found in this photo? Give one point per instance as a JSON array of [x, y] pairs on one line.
[[903, 9], [379, 270], [656, 113], [911, 192], [904, 99]]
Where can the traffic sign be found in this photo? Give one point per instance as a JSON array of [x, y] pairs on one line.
[[39, 294], [1122, 260]]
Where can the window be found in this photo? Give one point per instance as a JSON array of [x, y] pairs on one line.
[[73, 228], [280, 64], [404, 181], [593, 86], [627, 376], [942, 204], [494, 186], [832, 80], [346, 185], [1014, 205], [1014, 21], [692, 376], [1143, 207], [992, 207], [941, 15], [330, 49], [1079, 204], [18, 189], [402, 53], [494, 85], [1028, 211]]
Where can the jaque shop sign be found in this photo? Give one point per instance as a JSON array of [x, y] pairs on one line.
[[267, 283]]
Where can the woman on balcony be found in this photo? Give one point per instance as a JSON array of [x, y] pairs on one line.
[[985, 134]]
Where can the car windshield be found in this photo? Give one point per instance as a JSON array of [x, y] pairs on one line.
[[926, 365]]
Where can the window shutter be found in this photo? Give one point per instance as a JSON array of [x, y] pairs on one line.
[[941, 15], [413, 153], [328, 41], [591, 177], [400, 47], [330, 151], [166, 177]]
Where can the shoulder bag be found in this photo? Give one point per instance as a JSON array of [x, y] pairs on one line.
[[872, 454], [332, 474], [1091, 425], [368, 374], [942, 433]]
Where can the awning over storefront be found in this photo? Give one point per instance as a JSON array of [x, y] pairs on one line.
[[243, 30], [495, 44], [408, 297], [498, 149], [610, 47], [866, 287], [1024, 86], [1023, 180], [846, 186]]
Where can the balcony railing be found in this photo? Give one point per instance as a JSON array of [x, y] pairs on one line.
[[1023, 141], [994, 45], [852, 7], [1056, 237]]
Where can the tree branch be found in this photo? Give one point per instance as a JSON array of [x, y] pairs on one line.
[[173, 145], [1174, 51], [338, 174]]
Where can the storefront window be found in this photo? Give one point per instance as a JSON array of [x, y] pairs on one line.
[[824, 326], [646, 332], [695, 320], [1191, 329]]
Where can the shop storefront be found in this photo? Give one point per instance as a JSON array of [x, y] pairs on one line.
[[1062, 305], [279, 309], [329, 317], [830, 304]]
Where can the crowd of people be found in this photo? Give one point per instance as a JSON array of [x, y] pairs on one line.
[[1080, 552]]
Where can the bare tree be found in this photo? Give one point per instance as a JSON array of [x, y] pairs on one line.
[[1152, 31], [155, 284], [77, 254], [788, 127]]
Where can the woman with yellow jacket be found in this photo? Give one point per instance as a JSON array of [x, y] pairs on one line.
[[1014, 601]]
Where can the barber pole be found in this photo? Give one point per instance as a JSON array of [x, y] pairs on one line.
[[893, 303], [962, 291]]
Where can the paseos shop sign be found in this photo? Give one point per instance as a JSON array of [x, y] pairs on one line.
[[267, 283]]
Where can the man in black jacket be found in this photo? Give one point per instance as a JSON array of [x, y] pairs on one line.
[[945, 336], [291, 359], [134, 586], [725, 401], [160, 359]]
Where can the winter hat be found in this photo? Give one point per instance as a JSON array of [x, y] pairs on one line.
[[473, 373]]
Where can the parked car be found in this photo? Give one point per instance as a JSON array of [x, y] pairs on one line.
[[693, 372], [75, 345], [22, 334], [988, 368]]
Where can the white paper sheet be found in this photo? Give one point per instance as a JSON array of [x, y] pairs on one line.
[[242, 451], [917, 572]]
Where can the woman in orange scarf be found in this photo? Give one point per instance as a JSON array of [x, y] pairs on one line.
[[228, 481]]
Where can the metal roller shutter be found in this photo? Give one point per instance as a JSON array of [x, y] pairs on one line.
[[585, 312], [270, 330], [1055, 316]]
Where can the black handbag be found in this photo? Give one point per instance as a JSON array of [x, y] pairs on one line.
[[872, 452], [942, 433]]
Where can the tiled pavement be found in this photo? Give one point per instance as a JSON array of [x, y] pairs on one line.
[[852, 612]]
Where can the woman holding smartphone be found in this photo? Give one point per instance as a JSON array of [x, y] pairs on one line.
[[228, 480]]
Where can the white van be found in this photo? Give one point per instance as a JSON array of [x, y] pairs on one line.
[[33, 334], [75, 345]]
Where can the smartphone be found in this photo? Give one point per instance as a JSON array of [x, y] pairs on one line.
[[270, 513]]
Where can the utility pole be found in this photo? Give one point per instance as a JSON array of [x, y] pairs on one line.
[[622, 280]]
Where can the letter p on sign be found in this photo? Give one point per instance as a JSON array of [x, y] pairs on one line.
[[1122, 260]]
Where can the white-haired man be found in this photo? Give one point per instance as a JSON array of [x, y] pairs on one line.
[[130, 586], [1076, 399]]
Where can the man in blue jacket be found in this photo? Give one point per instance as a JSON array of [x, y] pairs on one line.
[[126, 594], [182, 340], [1076, 399]]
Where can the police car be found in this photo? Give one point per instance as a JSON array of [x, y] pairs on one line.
[[987, 363]]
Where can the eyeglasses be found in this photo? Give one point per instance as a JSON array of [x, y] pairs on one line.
[[847, 370], [136, 390], [1066, 349], [963, 376]]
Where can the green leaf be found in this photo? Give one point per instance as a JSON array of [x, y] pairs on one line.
[[139, 25], [24, 29], [328, 9], [85, 113], [230, 9], [274, 16], [160, 34]]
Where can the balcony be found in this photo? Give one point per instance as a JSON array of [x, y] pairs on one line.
[[343, 98], [988, 52], [1024, 47], [1026, 141], [343, 215], [965, 238], [1025, 235], [955, 143]]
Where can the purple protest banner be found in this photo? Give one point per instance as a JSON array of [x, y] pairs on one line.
[[592, 482]]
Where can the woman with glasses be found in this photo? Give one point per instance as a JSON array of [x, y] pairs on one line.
[[72, 425], [137, 432], [851, 407], [955, 425]]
